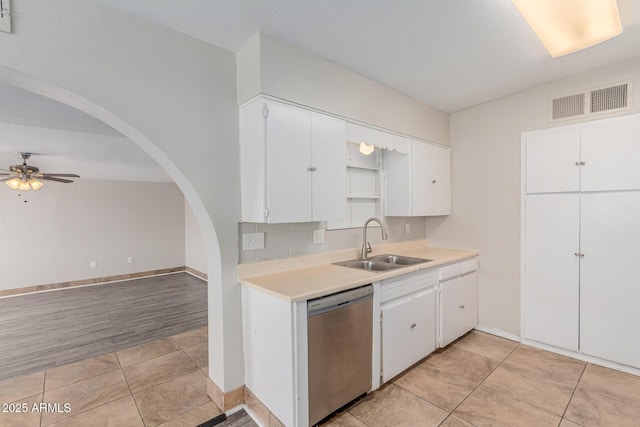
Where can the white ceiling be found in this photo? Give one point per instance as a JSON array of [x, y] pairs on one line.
[[65, 140], [450, 54]]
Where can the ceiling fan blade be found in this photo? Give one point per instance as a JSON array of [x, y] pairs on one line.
[[50, 178], [5, 174], [70, 175], [6, 179]]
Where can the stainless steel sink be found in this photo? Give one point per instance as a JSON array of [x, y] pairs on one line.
[[369, 265], [400, 260], [382, 262]]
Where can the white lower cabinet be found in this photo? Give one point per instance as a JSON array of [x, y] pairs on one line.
[[458, 300], [408, 321], [408, 331]]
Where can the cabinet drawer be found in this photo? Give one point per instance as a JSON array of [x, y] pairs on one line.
[[449, 271], [407, 284], [468, 266]]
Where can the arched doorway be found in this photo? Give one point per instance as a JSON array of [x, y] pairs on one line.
[[218, 371]]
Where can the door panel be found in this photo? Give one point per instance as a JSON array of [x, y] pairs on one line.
[[328, 180], [431, 170], [552, 269], [609, 292], [551, 161], [611, 153], [470, 301], [452, 323], [408, 332], [289, 157]]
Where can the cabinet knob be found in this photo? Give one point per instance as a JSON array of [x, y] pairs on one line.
[[433, 181], [582, 163], [413, 325], [462, 307], [311, 168], [580, 254]]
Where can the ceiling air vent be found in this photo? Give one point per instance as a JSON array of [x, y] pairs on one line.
[[568, 106], [610, 98], [592, 102]]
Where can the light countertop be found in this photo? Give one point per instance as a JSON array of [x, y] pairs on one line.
[[313, 276]]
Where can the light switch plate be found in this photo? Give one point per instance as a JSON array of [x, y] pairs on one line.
[[318, 236], [252, 241]]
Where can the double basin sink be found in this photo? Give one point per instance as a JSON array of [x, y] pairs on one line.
[[381, 263]]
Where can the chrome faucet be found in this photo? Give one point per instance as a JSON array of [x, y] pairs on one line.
[[366, 247]]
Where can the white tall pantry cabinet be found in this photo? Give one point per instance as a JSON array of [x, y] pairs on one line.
[[581, 239]]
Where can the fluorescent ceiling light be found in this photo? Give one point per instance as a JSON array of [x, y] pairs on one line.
[[567, 26]]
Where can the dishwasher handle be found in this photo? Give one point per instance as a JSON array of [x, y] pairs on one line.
[[339, 300]]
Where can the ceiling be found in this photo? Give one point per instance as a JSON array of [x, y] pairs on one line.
[[450, 54], [65, 140]]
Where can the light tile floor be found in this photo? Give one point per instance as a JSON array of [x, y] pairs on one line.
[[483, 380], [161, 383], [480, 380]]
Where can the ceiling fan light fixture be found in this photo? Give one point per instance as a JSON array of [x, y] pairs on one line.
[[13, 183], [568, 26], [35, 184], [24, 186]]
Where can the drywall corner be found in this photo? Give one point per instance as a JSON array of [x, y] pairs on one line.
[[248, 69]]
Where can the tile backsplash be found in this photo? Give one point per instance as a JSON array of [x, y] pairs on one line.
[[285, 240]]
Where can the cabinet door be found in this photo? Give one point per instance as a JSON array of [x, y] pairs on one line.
[[397, 167], [330, 170], [408, 332], [451, 310], [551, 158], [469, 311], [552, 269], [431, 179], [611, 155], [609, 290], [288, 162]]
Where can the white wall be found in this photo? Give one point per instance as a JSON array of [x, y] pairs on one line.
[[172, 95], [194, 252], [486, 185], [291, 73], [52, 235]]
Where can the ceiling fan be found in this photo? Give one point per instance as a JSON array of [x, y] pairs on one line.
[[25, 177]]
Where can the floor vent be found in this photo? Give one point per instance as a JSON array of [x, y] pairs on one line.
[[593, 101]]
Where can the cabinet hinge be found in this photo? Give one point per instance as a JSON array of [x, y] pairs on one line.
[[266, 212], [265, 111]]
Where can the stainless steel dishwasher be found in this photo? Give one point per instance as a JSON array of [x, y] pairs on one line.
[[340, 329]]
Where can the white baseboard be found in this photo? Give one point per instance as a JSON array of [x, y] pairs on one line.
[[498, 332]]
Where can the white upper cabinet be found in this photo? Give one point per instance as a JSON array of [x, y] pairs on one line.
[[551, 158], [418, 183], [611, 155], [597, 156], [292, 164], [431, 168]]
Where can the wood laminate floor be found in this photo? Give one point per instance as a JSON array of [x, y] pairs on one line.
[[43, 330]]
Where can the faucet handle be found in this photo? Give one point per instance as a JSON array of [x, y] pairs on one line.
[[369, 250]]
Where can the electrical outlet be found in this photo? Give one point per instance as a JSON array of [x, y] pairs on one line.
[[318, 236], [130, 259], [407, 228], [93, 264], [252, 241]]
